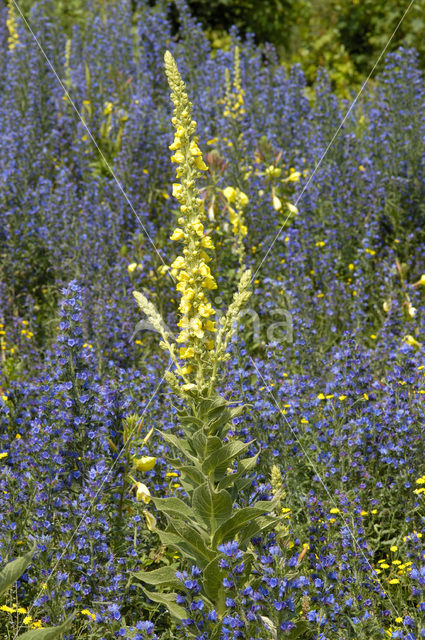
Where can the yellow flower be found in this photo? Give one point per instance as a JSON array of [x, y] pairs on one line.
[[178, 263], [393, 548], [207, 242], [196, 326], [243, 198], [198, 227], [194, 149], [3, 455], [178, 234], [209, 283], [142, 493], [204, 269], [230, 194], [145, 463], [182, 337], [178, 157], [184, 306], [206, 310], [132, 267], [200, 164], [210, 326], [177, 190], [186, 352]]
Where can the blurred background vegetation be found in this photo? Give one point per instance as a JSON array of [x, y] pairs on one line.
[[346, 37]]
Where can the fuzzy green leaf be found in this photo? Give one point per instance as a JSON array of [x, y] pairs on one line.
[[212, 579], [212, 507], [260, 524], [300, 628], [164, 576], [169, 601], [193, 474], [48, 633], [219, 460], [188, 542], [235, 524], [244, 466], [13, 570], [173, 507], [180, 444]]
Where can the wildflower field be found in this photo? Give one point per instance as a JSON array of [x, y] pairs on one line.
[[212, 335]]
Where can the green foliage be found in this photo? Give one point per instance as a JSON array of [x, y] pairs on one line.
[[213, 477], [10, 573]]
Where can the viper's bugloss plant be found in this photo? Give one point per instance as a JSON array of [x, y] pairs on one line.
[[211, 472]]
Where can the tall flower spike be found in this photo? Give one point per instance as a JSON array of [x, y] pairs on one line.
[[191, 270]]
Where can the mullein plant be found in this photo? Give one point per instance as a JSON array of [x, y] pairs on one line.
[[212, 473]]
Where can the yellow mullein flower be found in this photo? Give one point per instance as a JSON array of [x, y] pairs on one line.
[[178, 234], [206, 310], [207, 242], [178, 263], [186, 352], [178, 157]]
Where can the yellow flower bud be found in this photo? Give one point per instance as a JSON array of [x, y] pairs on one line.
[[150, 520]]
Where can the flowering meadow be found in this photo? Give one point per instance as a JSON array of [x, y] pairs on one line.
[[212, 335]]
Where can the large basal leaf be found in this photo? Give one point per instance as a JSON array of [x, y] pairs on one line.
[[164, 576], [169, 601], [212, 507], [48, 633], [221, 458], [13, 570]]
